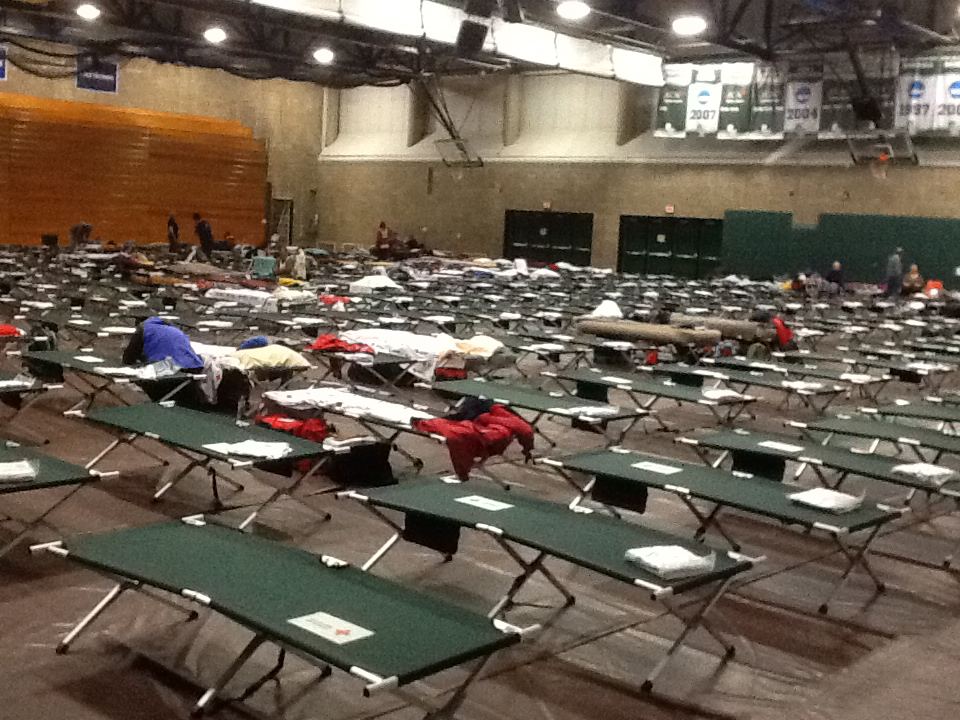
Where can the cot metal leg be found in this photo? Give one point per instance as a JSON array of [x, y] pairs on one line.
[[697, 620], [708, 521], [177, 477], [29, 526], [858, 557], [210, 695], [111, 597], [450, 707], [378, 555], [278, 493], [107, 450], [530, 568]]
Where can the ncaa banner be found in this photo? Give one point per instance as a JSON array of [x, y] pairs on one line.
[[946, 118], [703, 108], [803, 101], [672, 108], [703, 101], [736, 79], [917, 94]]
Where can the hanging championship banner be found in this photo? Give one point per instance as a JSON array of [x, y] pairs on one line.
[[703, 101], [803, 100], [837, 116], [766, 104], [946, 118], [736, 79], [672, 109]]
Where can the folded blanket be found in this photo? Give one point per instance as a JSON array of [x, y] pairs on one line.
[[670, 561], [933, 474], [826, 499]]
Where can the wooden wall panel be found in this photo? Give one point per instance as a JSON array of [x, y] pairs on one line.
[[124, 171]]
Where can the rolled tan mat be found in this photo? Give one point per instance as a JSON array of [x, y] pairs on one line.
[[648, 332], [728, 328]]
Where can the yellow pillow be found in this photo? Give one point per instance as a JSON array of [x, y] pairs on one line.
[[270, 356]]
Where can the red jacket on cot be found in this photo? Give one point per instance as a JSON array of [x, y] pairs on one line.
[[784, 334], [331, 343], [472, 441]]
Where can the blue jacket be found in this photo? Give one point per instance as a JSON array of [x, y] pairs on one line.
[[161, 341]]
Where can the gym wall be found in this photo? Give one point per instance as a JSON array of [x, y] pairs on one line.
[[581, 145]]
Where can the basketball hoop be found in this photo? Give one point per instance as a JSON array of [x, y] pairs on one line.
[[880, 166]]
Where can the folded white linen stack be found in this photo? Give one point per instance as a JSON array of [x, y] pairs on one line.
[[826, 499], [933, 474], [670, 561], [252, 448]]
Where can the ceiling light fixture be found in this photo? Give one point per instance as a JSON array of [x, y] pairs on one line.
[[324, 55], [215, 35], [689, 25], [573, 10], [88, 12]]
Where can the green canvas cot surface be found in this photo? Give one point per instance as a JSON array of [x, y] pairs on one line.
[[344, 616], [593, 541]]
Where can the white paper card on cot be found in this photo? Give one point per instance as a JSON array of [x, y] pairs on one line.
[[331, 628], [657, 468], [88, 359], [478, 501], [783, 447]]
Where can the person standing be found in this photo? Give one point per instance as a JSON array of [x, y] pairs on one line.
[[895, 274], [173, 234], [204, 235]]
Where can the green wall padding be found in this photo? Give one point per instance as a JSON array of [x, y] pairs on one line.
[[758, 244], [766, 244]]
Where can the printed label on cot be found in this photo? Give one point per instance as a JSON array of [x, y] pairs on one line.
[[657, 468], [484, 503], [331, 628]]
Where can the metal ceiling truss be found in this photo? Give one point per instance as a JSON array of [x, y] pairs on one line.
[[262, 42]]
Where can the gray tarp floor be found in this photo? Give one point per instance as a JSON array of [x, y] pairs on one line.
[[894, 656]]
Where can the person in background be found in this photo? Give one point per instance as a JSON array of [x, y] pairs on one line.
[[895, 273], [173, 234], [913, 282], [204, 234], [80, 234], [155, 341], [834, 279]]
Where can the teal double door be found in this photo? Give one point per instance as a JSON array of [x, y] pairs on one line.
[[548, 237], [680, 246]]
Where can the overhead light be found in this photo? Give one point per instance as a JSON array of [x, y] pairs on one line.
[[88, 11], [215, 35], [573, 10], [688, 25], [324, 55]]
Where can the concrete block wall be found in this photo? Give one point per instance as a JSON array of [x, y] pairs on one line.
[[463, 210]]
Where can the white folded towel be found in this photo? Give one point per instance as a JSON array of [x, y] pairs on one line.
[[933, 474], [671, 561], [826, 499]]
